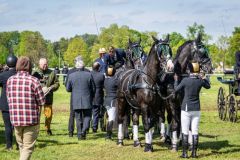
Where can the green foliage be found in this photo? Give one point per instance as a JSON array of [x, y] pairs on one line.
[[219, 140], [176, 40], [234, 46], [32, 45], [3, 54], [119, 37], [77, 47], [194, 30]]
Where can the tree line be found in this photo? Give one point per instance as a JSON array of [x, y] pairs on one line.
[[33, 44]]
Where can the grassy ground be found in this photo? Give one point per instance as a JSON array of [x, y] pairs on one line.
[[218, 139]]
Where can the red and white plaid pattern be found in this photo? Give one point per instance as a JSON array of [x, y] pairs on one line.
[[25, 96]]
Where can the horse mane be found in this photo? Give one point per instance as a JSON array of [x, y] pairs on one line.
[[150, 52], [181, 48]]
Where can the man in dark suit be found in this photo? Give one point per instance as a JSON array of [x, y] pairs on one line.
[[116, 57], [82, 88], [72, 114], [98, 78], [11, 63]]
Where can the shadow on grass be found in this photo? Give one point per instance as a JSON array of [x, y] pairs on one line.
[[216, 146], [208, 136], [46, 143]]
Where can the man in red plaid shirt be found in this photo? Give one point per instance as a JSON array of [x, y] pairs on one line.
[[25, 98]]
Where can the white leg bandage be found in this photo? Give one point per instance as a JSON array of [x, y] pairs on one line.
[[135, 132], [162, 129], [120, 132]]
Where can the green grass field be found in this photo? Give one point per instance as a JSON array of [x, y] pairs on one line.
[[218, 139]]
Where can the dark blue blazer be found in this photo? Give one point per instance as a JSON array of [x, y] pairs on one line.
[[103, 63], [82, 87], [192, 86], [120, 56], [98, 78]]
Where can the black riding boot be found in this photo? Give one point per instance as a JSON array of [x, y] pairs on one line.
[[195, 146], [109, 130], [184, 146]]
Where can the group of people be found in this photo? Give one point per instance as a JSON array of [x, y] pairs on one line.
[[87, 92], [24, 93]]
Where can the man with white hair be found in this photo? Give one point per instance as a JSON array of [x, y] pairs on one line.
[[82, 88], [49, 82]]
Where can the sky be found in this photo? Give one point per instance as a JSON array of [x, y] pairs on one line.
[[66, 18]]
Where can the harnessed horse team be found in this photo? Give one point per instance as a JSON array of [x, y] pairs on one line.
[[147, 87]]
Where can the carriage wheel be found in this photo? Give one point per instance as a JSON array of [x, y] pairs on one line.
[[232, 111], [222, 111]]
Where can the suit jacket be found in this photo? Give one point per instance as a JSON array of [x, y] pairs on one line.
[[82, 86], [98, 78], [110, 85], [3, 82], [118, 59], [48, 78], [192, 86], [103, 63]]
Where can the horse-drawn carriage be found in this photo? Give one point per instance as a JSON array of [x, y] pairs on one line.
[[228, 103]]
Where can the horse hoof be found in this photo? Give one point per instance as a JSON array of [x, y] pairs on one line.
[[148, 148], [137, 144], [120, 144], [168, 140], [162, 139], [174, 149]]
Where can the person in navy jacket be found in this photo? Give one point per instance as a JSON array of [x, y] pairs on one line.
[[190, 108], [11, 63], [116, 57], [102, 60]]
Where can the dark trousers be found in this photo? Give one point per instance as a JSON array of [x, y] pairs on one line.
[[95, 112], [8, 128], [83, 117], [64, 80], [71, 120]]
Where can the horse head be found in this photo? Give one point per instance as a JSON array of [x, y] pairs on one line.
[[193, 51], [164, 53], [159, 58], [134, 53]]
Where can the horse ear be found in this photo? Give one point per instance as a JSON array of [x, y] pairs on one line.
[[167, 39], [199, 38], [155, 39]]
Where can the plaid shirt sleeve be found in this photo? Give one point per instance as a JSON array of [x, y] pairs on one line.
[[40, 99]]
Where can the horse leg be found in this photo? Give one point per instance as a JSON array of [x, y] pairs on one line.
[[168, 125], [175, 126], [135, 128], [126, 124], [148, 132], [162, 124], [121, 113]]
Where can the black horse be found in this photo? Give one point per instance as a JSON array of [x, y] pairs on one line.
[[138, 90], [190, 51], [134, 59]]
